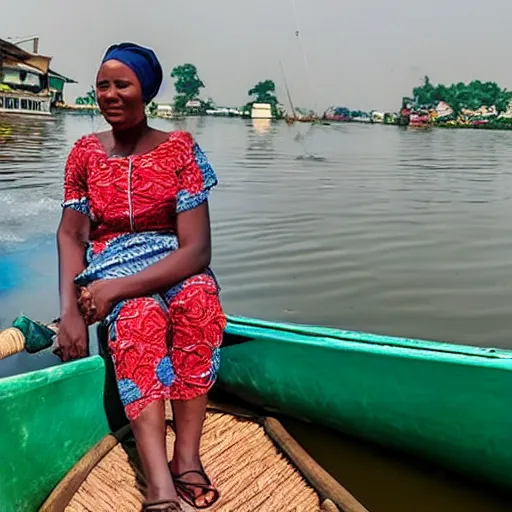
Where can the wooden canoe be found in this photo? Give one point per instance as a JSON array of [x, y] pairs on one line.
[[449, 404], [58, 453], [446, 403]]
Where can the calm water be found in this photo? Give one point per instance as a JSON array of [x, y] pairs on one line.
[[363, 227]]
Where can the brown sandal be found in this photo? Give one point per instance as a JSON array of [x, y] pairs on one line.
[[188, 495], [153, 506]]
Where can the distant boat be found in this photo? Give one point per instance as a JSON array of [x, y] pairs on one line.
[[302, 116], [223, 112], [377, 117], [419, 120], [362, 118], [337, 114]]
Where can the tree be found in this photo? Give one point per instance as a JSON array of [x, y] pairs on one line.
[[265, 92], [459, 96], [424, 94], [88, 99], [187, 84]]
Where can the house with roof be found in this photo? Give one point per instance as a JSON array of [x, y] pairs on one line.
[[27, 84]]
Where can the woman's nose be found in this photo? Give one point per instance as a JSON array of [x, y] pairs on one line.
[[110, 93]]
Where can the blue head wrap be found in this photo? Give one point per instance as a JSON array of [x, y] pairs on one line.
[[143, 62]]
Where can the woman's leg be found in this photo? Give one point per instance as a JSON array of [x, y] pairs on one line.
[[149, 431], [139, 347], [188, 420], [198, 324]]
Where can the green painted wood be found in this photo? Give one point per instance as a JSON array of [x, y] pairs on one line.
[[446, 403], [49, 419], [56, 83]]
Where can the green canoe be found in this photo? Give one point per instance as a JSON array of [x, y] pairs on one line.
[[446, 403]]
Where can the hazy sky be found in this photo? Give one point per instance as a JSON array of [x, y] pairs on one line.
[[361, 53]]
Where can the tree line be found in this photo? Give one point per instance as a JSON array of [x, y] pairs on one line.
[[460, 96]]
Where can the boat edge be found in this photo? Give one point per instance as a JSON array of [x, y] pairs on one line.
[[240, 324]]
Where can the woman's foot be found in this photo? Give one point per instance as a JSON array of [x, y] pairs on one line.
[[162, 506], [161, 496], [192, 483], [168, 494]]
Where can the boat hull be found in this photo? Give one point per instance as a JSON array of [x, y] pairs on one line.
[[50, 418], [445, 403]]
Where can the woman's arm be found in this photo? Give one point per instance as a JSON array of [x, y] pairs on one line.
[[72, 235]]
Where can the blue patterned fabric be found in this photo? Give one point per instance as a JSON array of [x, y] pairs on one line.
[[215, 363], [165, 371], [186, 201], [127, 255], [128, 391], [79, 205]]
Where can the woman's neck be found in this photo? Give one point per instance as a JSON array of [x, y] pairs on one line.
[[131, 135]]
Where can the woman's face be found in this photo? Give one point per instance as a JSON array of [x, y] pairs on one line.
[[119, 95]]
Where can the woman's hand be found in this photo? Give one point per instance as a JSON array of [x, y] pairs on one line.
[[73, 339], [97, 300]]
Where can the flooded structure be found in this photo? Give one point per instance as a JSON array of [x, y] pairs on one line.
[[27, 84], [56, 83]]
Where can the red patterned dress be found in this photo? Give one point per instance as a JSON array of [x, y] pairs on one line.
[[166, 346]]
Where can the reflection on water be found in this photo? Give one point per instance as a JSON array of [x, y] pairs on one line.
[[262, 125], [364, 227], [385, 481]]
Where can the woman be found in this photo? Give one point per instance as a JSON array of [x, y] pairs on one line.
[[135, 239]]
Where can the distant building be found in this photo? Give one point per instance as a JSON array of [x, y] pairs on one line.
[[27, 85], [261, 111], [193, 104], [164, 110], [56, 84]]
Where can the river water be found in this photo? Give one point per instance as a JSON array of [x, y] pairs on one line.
[[371, 228]]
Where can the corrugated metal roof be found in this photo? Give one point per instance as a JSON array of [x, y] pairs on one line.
[[23, 67], [11, 50], [62, 77]]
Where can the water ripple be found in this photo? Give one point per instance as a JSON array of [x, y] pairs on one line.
[[375, 228]]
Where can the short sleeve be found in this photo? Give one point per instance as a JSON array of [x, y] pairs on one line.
[[196, 178], [75, 181]]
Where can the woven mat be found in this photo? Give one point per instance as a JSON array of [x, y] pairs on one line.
[[241, 460]]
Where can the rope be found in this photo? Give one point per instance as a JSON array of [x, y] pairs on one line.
[[12, 342], [298, 34]]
